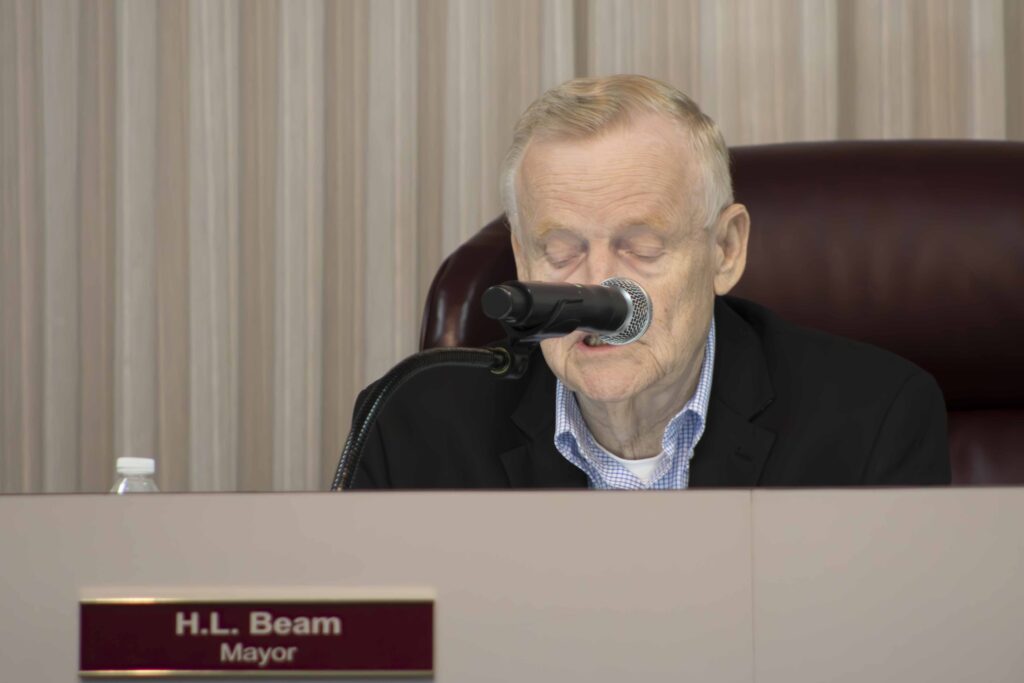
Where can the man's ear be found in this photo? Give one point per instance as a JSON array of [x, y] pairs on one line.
[[731, 233]]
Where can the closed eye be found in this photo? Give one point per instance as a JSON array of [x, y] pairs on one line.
[[641, 243], [563, 251], [562, 263], [649, 255]]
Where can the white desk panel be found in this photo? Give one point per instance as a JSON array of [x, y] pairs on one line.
[[570, 586], [889, 585]]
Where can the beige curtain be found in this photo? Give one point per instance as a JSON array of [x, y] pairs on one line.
[[219, 218]]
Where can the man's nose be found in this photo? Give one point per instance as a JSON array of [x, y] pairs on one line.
[[598, 266]]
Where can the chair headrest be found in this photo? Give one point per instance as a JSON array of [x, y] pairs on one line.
[[915, 246]]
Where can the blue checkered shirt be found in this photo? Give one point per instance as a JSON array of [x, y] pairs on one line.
[[574, 440]]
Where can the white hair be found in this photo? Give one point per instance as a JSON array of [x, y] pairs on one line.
[[585, 107]]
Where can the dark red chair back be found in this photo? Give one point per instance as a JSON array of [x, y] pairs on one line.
[[914, 246]]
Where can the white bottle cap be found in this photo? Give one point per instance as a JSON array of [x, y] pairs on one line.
[[126, 466]]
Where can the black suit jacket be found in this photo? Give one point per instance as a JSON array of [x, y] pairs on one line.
[[789, 407]]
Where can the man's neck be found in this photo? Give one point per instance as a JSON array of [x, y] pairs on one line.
[[633, 429]]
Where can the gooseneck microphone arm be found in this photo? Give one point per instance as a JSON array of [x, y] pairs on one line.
[[496, 360]]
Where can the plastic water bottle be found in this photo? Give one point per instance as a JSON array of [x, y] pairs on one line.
[[135, 475]]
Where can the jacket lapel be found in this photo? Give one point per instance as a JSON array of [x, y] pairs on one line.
[[733, 450], [536, 463], [540, 465]]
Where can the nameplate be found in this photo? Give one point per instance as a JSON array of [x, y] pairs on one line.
[[171, 637]]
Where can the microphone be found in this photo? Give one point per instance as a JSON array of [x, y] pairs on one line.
[[618, 310]]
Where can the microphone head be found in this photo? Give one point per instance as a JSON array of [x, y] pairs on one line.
[[639, 317]]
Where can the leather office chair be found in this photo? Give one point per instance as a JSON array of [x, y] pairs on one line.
[[914, 246]]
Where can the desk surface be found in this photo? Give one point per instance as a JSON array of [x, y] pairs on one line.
[[844, 585]]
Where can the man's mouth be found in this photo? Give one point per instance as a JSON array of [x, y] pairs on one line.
[[593, 340]]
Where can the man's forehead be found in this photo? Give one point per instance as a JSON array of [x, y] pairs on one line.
[[656, 205]]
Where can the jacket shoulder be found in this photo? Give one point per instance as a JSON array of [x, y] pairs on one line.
[[842, 411], [797, 354]]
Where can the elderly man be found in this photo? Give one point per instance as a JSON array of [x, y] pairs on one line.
[[625, 176]]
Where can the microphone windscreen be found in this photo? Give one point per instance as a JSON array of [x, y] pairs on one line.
[[640, 313]]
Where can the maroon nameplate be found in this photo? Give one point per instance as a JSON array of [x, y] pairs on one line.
[[144, 637]]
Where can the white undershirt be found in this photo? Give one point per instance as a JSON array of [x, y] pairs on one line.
[[642, 469]]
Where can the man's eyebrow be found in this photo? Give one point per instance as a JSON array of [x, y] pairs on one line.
[[647, 223], [547, 228], [654, 223]]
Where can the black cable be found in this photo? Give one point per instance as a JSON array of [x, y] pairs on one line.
[[495, 359]]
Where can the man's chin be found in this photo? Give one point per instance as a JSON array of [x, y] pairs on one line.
[[604, 389], [599, 379]]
